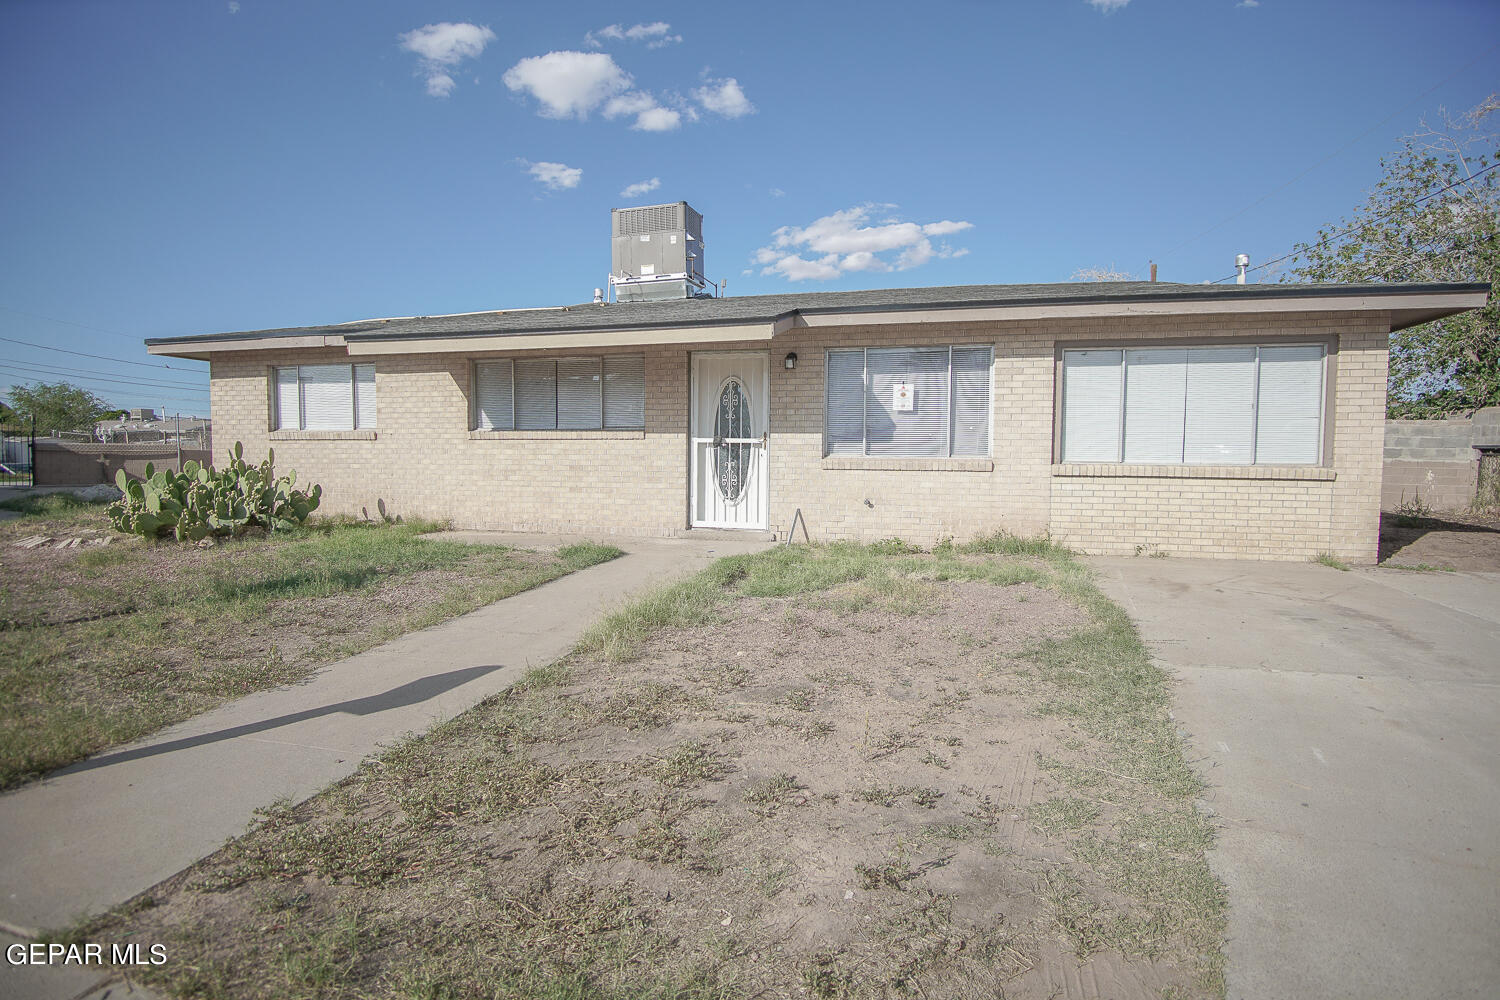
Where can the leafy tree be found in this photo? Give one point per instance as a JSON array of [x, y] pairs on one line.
[[1434, 216], [58, 407]]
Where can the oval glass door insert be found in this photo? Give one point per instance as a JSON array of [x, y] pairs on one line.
[[732, 461]]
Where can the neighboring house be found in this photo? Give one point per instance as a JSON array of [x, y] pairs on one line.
[[1119, 417], [141, 426]]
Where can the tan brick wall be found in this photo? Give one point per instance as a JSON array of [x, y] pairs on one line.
[[1252, 518], [424, 460]]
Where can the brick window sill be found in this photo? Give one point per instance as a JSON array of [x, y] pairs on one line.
[[871, 463], [605, 435], [364, 435], [1303, 473]]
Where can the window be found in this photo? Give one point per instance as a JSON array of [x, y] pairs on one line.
[[325, 398], [1194, 405], [547, 394], [908, 402]]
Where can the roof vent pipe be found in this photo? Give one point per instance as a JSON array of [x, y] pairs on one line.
[[1241, 263], [598, 296]]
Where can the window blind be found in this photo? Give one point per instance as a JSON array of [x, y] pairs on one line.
[[364, 396], [1195, 405], [327, 397], [844, 395], [625, 390], [971, 400], [536, 395], [1220, 418], [907, 401], [1092, 385], [1288, 413], [579, 394], [922, 373], [1155, 400], [288, 400], [493, 396]]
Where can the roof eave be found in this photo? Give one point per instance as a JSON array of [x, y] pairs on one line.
[[1425, 304], [201, 348]]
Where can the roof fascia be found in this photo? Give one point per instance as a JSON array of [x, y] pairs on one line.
[[201, 349], [1431, 304], [471, 343]]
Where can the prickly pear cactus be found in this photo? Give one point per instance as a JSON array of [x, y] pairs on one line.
[[198, 501]]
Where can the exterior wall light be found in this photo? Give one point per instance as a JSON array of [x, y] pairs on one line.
[[791, 360]]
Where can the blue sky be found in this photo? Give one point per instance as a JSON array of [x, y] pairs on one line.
[[181, 168]]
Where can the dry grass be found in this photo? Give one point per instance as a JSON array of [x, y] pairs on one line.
[[833, 771], [104, 644]]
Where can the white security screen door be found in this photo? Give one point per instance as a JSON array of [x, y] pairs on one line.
[[730, 487]]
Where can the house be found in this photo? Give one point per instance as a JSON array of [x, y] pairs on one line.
[[141, 426], [1120, 417]]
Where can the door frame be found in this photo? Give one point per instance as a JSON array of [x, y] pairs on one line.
[[763, 470]]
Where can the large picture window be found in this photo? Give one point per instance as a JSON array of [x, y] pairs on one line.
[[544, 394], [1252, 405], [325, 398], [908, 401]]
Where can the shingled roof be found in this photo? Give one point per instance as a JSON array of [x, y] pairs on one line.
[[730, 310]]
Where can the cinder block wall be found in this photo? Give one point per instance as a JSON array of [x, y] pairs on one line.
[[70, 463], [1433, 460], [424, 460]]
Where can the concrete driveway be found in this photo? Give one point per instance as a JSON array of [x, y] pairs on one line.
[[1348, 724]]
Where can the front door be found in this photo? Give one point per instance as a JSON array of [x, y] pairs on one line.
[[730, 486]]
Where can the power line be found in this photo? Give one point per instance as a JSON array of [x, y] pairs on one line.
[[87, 372], [1389, 212], [68, 322], [87, 379], [99, 357], [144, 393], [1336, 152]]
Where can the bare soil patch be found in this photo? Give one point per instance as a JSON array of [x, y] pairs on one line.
[[832, 773], [1459, 540]]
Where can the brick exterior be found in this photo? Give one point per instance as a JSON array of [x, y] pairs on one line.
[[424, 460]]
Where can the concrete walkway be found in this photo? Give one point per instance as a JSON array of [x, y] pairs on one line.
[[95, 834], [1348, 725]]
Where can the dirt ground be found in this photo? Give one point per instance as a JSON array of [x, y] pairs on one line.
[[872, 789], [1445, 540]]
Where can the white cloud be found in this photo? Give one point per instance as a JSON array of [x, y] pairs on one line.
[[945, 228], [1249, 3], [234, 6], [443, 46], [777, 193], [655, 35], [863, 260], [846, 242], [1107, 6], [657, 120], [632, 103], [439, 84], [641, 187], [650, 115], [555, 176], [724, 97], [568, 84], [793, 267]]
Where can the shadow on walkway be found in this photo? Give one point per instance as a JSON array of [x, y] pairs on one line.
[[410, 693]]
